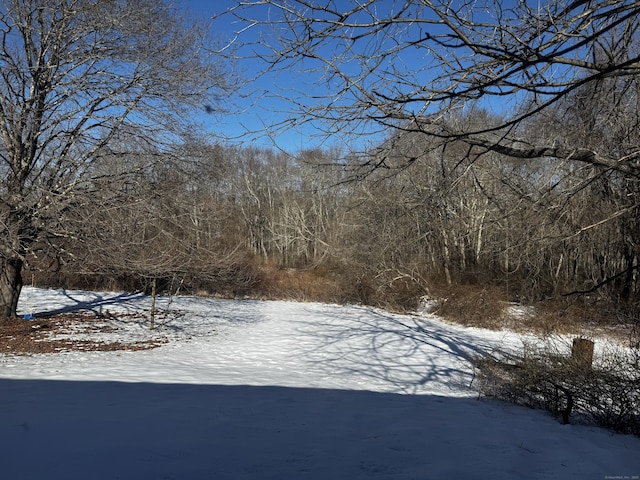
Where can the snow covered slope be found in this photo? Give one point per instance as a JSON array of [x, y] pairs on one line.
[[278, 390]]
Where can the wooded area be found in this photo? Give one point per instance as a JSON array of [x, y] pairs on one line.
[[106, 184], [231, 220]]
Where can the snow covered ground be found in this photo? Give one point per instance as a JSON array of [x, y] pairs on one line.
[[278, 390]]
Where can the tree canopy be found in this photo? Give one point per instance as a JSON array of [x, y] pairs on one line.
[[80, 81], [408, 63]]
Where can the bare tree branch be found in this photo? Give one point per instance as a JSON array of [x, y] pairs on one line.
[[76, 78]]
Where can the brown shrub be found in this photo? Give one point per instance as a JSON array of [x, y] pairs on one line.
[[579, 316], [566, 315], [473, 305], [295, 284]]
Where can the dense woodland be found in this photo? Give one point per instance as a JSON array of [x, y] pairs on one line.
[[107, 182], [411, 217]]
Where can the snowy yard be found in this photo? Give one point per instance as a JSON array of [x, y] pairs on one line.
[[278, 390]]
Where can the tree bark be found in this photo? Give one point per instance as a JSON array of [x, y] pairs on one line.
[[10, 287]]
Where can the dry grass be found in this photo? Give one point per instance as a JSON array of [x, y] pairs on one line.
[[565, 315], [473, 305], [295, 284], [488, 307], [579, 316]]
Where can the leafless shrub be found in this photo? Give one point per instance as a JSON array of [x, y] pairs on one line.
[[295, 284], [572, 315], [546, 376], [473, 305]]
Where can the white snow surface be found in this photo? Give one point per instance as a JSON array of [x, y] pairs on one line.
[[278, 390]]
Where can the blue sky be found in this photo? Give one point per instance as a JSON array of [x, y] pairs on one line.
[[254, 113], [257, 112]]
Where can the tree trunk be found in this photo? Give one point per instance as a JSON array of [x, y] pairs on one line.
[[10, 287]]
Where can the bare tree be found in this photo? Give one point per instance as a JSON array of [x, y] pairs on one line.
[[406, 63], [79, 81], [426, 66], [603, 116]]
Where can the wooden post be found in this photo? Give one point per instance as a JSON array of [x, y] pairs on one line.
[[582, 352], [153, 304]]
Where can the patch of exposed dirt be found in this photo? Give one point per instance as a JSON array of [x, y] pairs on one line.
[[28, 337]]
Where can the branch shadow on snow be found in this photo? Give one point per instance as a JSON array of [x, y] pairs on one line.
[[408, 354], [62, 429], [74, 301], [173, 314]]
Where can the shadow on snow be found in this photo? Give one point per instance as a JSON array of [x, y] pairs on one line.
[[108, 430], [402, 352]]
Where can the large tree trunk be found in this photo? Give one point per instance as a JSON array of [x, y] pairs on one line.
[[10, 287]]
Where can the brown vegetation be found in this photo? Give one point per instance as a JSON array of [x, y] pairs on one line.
[[469, 205], [26, 337]]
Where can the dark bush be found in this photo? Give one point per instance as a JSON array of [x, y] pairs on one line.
[[606, 394]]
